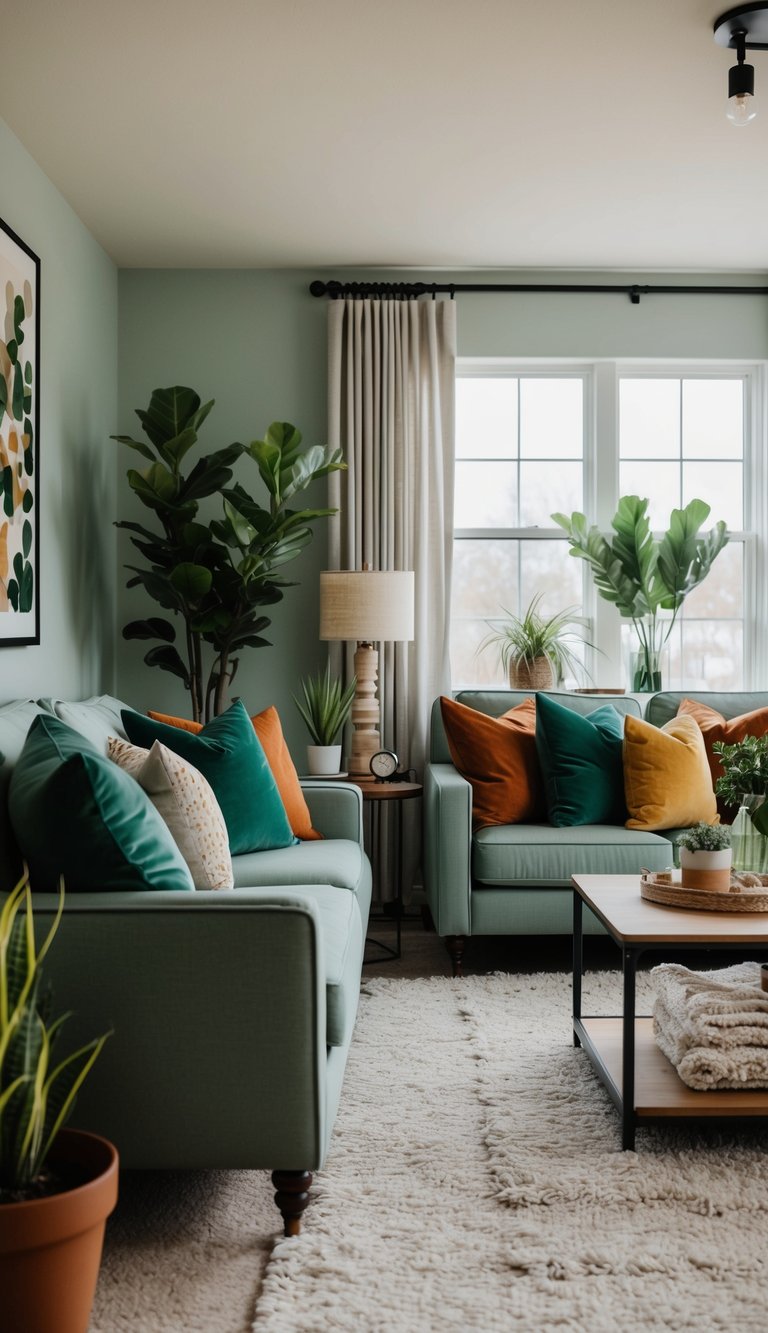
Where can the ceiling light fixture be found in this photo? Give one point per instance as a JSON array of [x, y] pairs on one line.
[[743, 29]]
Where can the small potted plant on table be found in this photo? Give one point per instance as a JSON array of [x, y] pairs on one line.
[[57, 1186], [705, 857], [325, 707]]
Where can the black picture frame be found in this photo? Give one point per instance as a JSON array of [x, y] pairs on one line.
[[19, 441]]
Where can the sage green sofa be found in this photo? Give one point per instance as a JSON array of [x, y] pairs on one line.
[[515, 879], [232, 1011]]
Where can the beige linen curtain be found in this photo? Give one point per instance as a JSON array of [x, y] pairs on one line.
[[391, 410]]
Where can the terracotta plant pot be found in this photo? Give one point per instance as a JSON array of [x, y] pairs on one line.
[[50, 1248], [536, 676], [706, 870]]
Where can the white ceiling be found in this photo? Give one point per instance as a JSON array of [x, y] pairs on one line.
[[322, 133]]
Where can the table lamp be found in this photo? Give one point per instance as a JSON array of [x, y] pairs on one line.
[[366, 607]]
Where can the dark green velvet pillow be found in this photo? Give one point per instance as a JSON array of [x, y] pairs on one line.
[[76, 814], [229, 754], [581, 763]]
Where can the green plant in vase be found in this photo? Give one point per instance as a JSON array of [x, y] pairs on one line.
[[647, 579], [744, 785]]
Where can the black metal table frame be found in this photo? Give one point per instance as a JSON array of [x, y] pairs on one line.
[[624, 1097], [375, 808]]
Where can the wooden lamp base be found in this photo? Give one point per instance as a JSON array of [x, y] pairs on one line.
[[365, 714]]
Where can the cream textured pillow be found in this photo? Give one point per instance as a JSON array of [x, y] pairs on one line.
[[667, 782], [185, 799]]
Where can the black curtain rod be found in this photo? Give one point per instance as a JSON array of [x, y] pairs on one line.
[[634, 291]]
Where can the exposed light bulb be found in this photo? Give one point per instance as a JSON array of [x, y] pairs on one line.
[[741, 87], [741, 109]]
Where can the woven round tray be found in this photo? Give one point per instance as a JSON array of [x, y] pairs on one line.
[[749, 893]]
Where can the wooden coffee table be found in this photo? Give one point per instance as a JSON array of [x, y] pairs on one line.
[[640, 1080]]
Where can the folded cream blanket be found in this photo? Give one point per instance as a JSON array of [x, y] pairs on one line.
[[713, 1026]]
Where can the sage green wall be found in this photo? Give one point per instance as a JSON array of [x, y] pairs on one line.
[[78, 386], [256, 342]]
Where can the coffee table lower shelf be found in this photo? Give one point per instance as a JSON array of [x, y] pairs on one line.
[[659, 1092]]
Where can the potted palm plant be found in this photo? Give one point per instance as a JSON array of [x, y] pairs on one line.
[[705, 857], [57, 1186], [325, 706], [644, 577], [535, 650]]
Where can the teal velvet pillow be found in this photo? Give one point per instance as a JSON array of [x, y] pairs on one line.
[[581, 763], [76, 814], [229, 754]]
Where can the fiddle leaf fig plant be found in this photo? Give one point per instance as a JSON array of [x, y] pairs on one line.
[[643, 576], [37, 1092], [215, 574]]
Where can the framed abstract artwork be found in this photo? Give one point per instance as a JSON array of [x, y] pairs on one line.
[[19, 445]]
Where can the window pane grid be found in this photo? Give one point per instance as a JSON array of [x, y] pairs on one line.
[[680, 435], [701, 420]]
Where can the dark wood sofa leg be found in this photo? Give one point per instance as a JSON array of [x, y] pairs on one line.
[[292, 1196], [455, 946]]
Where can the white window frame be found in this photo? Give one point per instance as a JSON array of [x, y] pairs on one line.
[[601, 484]]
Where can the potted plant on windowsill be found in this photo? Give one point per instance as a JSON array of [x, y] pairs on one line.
[[536, 651], [647, 579], [57, 1186], [325, 707], [705, 857]]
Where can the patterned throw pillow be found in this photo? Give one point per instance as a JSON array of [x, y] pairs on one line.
[[270, 732], [186, 802], [230, 755]]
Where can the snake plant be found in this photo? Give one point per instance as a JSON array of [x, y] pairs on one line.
[[325, 706], [36, 1093]]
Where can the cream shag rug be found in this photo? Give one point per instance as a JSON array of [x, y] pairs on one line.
[[475, 1181]]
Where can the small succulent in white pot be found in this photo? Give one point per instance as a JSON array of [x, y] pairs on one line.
[[705, 857], [325, 706]]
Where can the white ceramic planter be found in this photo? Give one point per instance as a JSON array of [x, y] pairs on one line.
[[323, 760], [706, 870]]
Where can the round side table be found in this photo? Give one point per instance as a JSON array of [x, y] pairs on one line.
[[376, 794]]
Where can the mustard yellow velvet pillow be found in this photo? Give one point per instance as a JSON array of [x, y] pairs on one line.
[[667, 782]]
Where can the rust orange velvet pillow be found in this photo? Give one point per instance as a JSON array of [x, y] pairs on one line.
[[497, 756], [270, 733], [714, 727]]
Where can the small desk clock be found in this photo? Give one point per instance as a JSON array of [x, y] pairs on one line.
[[384, 766]]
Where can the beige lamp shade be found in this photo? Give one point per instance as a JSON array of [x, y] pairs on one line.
[[366, 606]]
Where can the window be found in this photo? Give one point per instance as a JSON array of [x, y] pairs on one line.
[[533, 440], [682, 437], [519, 456]]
